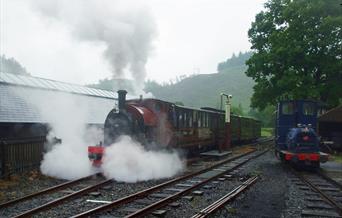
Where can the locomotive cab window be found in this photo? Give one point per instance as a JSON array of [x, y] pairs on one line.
[[287, 108], [308, 108]]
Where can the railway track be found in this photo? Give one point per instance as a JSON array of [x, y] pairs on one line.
[[323, 195], [211, 209], [49, 197], [151, 200], [69, 192]]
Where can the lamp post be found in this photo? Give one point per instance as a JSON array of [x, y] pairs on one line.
[[227, 139]]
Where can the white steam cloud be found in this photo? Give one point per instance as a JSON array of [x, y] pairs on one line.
[[124, 27], [128, 161], [66, 114]]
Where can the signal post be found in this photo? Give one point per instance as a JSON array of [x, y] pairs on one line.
[[227, 127]]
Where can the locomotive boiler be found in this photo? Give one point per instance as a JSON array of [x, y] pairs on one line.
[[159, 124]]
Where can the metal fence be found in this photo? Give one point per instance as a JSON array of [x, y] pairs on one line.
[[19, 155]]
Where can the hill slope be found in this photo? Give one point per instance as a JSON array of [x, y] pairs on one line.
[[204, 90], [201, 90]]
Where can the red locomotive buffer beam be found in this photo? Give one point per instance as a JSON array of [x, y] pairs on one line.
[[301, 156], [95, 154]]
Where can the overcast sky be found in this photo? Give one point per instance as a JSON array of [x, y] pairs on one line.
[[190, 36]]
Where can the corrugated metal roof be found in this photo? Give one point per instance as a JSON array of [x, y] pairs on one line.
[[27, 105], [37, 82], [334, 115], [22, 99]]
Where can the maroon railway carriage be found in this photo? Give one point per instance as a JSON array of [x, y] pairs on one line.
[[160, 124]]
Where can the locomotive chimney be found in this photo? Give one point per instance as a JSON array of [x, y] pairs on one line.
[[122, 99]]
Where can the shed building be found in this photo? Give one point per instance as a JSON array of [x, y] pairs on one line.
[[25, 102], [330, 127]]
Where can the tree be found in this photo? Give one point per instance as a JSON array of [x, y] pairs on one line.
[[267, 115], [234, 61], [10, 65], [297, 47]]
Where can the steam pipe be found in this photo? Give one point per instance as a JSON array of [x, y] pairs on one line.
[[122, 99]]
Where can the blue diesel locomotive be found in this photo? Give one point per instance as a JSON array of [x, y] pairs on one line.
[[296, 139]]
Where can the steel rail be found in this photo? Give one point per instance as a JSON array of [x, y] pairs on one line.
[[58, 201], [146, 210], [326, 177], [145, 192], [223, 200], [328, 199], [45, 191]]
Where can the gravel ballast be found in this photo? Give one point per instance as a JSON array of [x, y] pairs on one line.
[[276, 193]]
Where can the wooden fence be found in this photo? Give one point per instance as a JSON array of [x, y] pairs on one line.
[[20, 155]]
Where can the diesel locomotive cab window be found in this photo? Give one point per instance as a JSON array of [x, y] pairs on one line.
[[308, 108], [287, 108]]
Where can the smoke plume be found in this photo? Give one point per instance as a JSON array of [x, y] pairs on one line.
[[125, 28], [128, 161]]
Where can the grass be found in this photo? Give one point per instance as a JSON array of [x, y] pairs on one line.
[[336, 158], [266, 132]]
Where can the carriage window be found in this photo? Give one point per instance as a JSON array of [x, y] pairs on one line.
[[180, 119], [209, 120], [199, 121], [287, 108], [185, 120], [205, 119], [308, 108], [202, 120], [190, 119], [172, 115]]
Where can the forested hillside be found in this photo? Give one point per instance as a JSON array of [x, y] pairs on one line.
[[10, 65], [204, 89]]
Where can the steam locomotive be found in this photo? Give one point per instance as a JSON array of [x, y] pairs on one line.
[[160, 124], [296, 139]]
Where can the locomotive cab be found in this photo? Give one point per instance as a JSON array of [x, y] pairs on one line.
[[296, 138]]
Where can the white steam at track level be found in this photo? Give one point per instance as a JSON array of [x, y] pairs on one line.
[[128, 161], [66, 115], [125, 28]]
